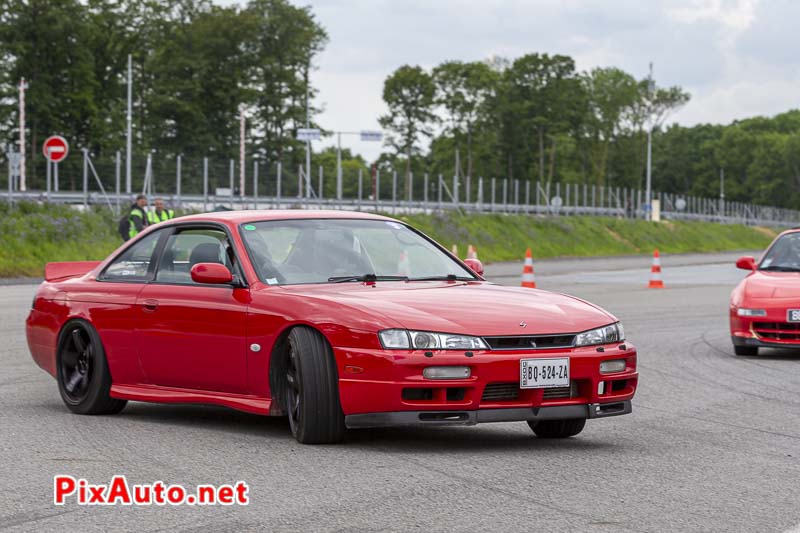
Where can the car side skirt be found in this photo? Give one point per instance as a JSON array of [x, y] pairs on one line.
[[470, 418], [156, 394]]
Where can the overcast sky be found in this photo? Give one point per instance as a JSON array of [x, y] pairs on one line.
[[737, 58]]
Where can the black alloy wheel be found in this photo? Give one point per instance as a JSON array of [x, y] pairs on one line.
[[84, 380], [77, 364], [312, 388], [294, 391]]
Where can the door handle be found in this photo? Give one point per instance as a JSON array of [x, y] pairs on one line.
[[150, 305]]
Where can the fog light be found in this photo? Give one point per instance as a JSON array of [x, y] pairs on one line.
[[446, 372], [615, 365], [751, 312]]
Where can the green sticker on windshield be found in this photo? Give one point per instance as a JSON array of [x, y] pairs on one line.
[[249, 227]]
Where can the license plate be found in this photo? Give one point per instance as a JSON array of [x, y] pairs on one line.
[[543, 373], [793, 315]]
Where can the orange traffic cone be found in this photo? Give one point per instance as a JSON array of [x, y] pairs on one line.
[[455, 250], [472, 253], [655, 273], [528, 279]]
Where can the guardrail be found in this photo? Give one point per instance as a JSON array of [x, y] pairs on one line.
[[380, 192], [707, 211]]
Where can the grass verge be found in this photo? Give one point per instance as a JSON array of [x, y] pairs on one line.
[[32, 235], [505, 237]]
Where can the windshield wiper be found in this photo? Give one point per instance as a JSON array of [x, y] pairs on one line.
[[366, 278], [448, 277], [778, 268]]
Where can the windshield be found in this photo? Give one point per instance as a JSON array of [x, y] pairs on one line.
[[784, 256], [290, 252]]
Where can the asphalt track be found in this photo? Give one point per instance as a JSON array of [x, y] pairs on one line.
[[713, 443]]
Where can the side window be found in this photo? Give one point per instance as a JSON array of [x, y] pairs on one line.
[[189, 247], [135, 263]]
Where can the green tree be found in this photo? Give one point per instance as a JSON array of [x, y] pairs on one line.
[[463, 89], [198, 82], [44, 42], [544, 98], [409, 93], [611, 94], [287, 38]]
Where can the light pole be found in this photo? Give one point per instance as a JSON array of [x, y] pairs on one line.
[[241, 152], [648, 191], [721, 193], [22, 183], [130, 127], [308, 142], [339, 166]]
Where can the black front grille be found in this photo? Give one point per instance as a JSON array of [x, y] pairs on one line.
[[557, 393], [509, 391], [530, 342], [784, 331], [501, 392]]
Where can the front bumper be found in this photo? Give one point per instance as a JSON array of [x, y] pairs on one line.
[[770, 331], [470, 418], [387, 387]]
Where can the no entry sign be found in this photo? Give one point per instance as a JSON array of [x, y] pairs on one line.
[[55, 148]]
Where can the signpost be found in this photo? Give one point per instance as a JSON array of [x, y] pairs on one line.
[[367, 135], [55, 150], [308, 134]]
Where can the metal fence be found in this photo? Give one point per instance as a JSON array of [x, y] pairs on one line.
[[203, 184]]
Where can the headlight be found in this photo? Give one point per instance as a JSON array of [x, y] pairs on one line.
[[751, 312], [401, 339], [604, 335]]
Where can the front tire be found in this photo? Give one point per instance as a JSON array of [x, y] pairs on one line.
[[312, 389], [84, 380], [745, 350], [557, 429]]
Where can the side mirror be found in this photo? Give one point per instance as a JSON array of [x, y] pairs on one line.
[[475, 265], [746, 263], [211, 273]]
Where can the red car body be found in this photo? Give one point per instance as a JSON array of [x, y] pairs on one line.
[[768, 297], [177, 343]]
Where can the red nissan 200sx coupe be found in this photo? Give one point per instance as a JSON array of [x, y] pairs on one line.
[[765, 306], [334, 319]]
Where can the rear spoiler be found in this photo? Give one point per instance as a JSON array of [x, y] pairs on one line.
[[65, 270]]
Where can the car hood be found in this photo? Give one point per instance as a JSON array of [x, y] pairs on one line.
[[468, 308], [762, 284]]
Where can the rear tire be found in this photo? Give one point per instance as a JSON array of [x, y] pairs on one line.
[[312, 391], [745, 350], [557, 429], [84, 380]]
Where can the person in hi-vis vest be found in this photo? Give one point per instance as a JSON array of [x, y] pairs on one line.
[[160, 213], [136, 219]]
